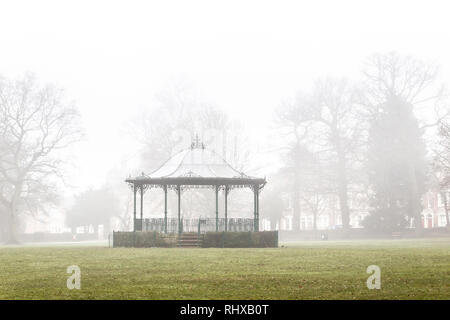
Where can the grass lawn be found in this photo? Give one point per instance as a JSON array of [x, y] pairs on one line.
[[410, 269]]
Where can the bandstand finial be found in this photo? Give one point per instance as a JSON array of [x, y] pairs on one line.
[[196, 143]]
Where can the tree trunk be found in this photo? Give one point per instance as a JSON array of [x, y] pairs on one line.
[[11, 237], [343, 188], [12, 221], [315, 211], [315, 220], [296, 204], [106, 227], [445, 200]]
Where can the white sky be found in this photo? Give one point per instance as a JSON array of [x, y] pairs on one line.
[[246, 56]]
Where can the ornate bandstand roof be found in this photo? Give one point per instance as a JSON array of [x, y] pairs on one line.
[[197, 166]]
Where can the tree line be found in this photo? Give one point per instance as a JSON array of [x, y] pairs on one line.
[[382, 139]]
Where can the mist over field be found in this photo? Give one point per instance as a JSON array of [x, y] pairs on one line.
[[346, 116], [205, 123]]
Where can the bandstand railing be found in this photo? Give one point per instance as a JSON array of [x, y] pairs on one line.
[[200, 225]]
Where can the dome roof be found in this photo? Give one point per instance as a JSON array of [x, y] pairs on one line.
[[196, 166], [196, 162]]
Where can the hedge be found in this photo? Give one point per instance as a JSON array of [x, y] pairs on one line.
[[263, 239], [56, 237], [361, 233], [144, 239], [147, 239]]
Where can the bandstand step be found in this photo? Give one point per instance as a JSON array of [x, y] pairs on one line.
[[189, 240]]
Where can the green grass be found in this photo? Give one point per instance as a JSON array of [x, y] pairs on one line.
[[410, 269]]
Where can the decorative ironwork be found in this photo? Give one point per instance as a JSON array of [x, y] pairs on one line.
[[194, 225], [196, 144]]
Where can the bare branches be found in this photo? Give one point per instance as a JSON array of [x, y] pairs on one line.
[[394, 75], [36, 123], [410, 80]]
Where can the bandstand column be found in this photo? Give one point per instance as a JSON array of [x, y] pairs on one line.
[[179, 208], [142, 207], [226, 208], [256, 207], [217, 208], [134, 207], [165, 208]]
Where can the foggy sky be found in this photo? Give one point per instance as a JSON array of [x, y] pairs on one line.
[[113, 56]]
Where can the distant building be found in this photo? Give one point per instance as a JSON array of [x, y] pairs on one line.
[[433, 214], [329, 217]]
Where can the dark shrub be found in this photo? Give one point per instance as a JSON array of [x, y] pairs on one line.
[[264, 239]]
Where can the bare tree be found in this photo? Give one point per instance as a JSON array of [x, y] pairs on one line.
[[125, 214], [413, 84], [36, 124], [225, 135], [393, 75], [316, 202], [272, 204], [323, 125], [315, 189], [177, 118], [337, 134], [94, 207], [293, 121]]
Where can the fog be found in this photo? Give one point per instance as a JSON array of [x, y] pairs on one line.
[[259, 82]]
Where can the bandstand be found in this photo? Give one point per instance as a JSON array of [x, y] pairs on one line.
[[195, 167]]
